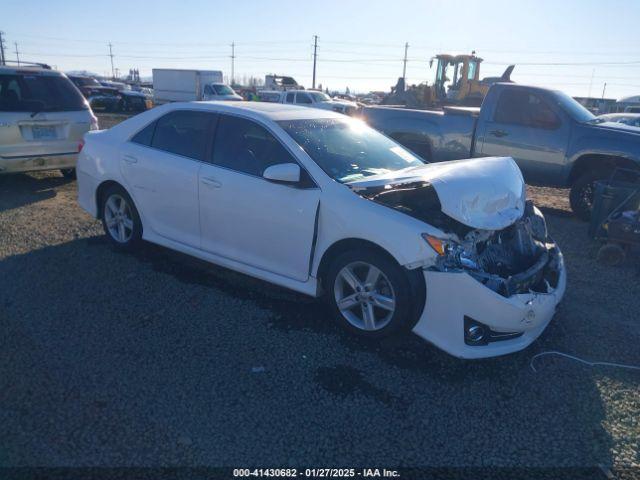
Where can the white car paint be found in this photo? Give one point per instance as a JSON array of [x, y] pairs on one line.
[[267, 230], [496, 200]]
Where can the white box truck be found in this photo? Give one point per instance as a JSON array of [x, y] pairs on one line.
[[174, 85]]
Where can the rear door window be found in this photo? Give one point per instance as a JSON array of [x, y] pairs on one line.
[[39, 93], [183, 132]]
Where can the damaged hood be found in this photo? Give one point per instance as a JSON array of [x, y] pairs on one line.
[[483, 193]]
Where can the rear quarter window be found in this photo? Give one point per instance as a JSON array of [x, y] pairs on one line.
[[145, 136]]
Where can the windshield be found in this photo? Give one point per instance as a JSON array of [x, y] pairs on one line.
[[319, 96], [85, 81], [223, 90], [347, 149], [39, 93], [573, 108]]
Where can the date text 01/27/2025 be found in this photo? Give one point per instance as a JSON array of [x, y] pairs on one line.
[[316, 473]]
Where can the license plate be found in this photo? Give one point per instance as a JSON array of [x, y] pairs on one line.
[[41, 132]]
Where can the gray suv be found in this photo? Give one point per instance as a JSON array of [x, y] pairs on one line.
[[43, 118]]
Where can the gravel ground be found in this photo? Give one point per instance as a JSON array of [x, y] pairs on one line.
[[153, 358]]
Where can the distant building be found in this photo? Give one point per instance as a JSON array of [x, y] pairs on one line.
[[627, 104], [596, 105]]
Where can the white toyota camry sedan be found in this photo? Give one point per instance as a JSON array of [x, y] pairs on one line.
[[324, 205]]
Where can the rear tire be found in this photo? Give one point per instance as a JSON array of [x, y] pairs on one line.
[[69, 173], [369, 294], [120, 218], [582, 191]]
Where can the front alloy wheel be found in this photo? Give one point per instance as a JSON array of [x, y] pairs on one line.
[[364, 296], [371, 295]]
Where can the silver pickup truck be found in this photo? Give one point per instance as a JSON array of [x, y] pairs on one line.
[[554, 140]]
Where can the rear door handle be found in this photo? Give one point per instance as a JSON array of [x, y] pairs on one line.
[[498, 133], [212, 182], [130, 159]]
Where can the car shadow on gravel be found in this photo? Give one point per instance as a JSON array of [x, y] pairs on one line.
[[497, 406], [20, 189]]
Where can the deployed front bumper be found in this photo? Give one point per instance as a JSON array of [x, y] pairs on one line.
[[452, 296], [38, 162]]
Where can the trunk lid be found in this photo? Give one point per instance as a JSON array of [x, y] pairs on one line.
[[45, 134], [483, 193]]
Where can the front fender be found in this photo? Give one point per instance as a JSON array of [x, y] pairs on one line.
[[603, 142]]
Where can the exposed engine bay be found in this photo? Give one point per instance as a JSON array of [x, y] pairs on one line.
[[520, 258]]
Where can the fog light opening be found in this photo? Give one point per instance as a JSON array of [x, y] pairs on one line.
[[475, 334]]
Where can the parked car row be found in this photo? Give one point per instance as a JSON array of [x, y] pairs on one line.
[[109, 96]]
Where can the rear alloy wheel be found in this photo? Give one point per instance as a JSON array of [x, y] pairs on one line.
[[120, 219], [369, 294]]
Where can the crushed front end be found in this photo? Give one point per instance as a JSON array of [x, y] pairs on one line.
[[493, 292], [496, 277]]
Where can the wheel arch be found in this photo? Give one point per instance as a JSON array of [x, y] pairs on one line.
[[100, 191], [415, 276], [593, 161]]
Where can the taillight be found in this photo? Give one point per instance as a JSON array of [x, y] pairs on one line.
[[80, 145]]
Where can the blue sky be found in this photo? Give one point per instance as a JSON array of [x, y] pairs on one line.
[[361, 43]]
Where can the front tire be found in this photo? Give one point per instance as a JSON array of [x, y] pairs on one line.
[[369, 294], [120, 219], [582, 192]]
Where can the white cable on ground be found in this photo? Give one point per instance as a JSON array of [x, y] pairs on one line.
[[585, 362]]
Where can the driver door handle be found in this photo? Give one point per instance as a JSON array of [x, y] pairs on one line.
[[211, 182], [498, 133], [130, 159]]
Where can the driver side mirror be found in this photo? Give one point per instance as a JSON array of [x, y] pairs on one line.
[[282, 173]]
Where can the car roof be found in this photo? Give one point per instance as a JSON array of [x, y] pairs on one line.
[[17, 70], [262, 110]]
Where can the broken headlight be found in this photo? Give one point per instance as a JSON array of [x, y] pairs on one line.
[[451, 253]]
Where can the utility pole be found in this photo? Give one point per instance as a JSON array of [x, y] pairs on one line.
[[315, 57], [17, 53], [2, 62], [404, 63], [113, 72], [233, 61], [604, 89]]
